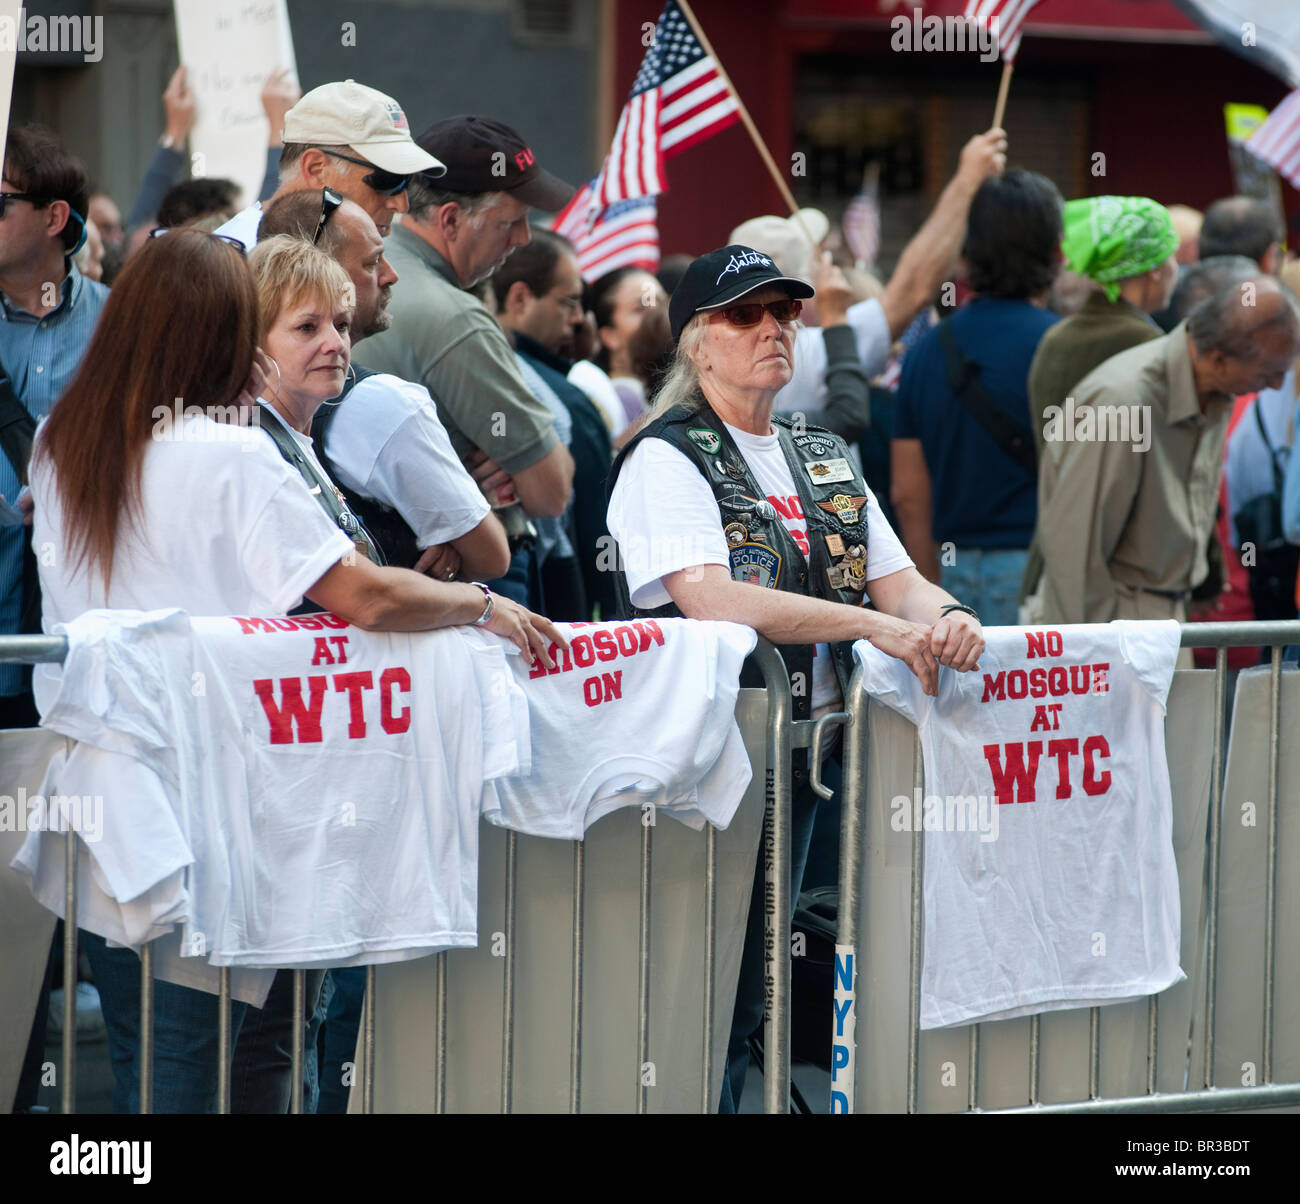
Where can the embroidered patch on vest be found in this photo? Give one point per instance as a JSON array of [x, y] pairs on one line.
[[817, 444], [756, 564], [709, 440]]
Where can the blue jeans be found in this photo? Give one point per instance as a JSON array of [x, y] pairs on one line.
[[342, 1020], [747, 1016], [184, 1029], [261, 1077], [988, 581]]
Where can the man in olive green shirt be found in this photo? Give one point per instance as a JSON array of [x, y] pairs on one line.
[[1129, 476], [460, 228]]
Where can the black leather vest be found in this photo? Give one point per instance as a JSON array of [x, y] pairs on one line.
[[387, 528], [762, 551]]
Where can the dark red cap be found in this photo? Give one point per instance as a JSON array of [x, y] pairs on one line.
[[483, 155]]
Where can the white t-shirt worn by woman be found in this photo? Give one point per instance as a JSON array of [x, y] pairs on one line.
[[665, 518]]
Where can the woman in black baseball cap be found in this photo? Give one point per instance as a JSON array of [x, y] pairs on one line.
[[723, 510]]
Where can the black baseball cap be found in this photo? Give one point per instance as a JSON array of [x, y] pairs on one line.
[[723, 276], [483, 155]]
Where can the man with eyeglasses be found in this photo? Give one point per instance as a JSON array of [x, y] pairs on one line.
[[48, 312], [353, 139], [461, 227]]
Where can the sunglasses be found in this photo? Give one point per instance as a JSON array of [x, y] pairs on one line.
[[31, 198], [750, 313], [329, 202], [159, 231], [386, 183]]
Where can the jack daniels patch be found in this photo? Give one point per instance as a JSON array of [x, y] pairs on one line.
[[818, 445]]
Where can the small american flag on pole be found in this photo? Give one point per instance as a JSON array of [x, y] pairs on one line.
[[1005, 18], [623, 235], [1277, 141], [861, 221], [678, 99]]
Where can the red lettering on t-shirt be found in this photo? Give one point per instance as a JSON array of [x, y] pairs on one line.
[[354, 683], [1015, 782], [283, 718]]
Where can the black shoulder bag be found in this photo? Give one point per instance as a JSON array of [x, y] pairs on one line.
[[964, 381], [17, 431]]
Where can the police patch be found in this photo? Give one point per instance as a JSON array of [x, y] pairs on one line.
[[755, 564], [705, 438]]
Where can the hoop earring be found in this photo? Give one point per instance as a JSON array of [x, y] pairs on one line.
[[278, 377]]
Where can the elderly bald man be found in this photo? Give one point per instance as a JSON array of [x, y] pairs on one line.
[[1129, 477]]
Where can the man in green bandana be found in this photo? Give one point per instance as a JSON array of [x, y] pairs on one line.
[[1128, 246]]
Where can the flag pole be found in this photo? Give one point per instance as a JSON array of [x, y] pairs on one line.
[[1003, 88], [759, 144]]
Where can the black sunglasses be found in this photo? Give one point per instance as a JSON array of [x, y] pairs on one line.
[[329, 201], [159, 231], [386, 183], [32, 198]]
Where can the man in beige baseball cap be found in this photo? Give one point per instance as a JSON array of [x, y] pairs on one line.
[[353, 139]]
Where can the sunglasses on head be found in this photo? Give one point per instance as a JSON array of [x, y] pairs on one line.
[[386, 183], [159, 231], [329, 202], [750, 313]]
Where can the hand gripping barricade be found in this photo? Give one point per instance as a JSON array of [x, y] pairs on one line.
[[517, 901], [1226, 1038]]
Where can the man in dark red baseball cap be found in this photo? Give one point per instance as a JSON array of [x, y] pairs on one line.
[[462, 226]]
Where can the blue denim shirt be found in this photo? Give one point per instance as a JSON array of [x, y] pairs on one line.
[[40, 357]]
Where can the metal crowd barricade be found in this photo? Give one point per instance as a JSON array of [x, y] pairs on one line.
[[781, 735], [866, 1067]]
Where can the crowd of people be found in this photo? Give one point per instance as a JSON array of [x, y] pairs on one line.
[[400, 401]]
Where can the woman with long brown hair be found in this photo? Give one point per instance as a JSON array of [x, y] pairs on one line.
[[144, 501]]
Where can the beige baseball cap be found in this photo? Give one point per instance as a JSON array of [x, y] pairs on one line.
[[785, 240], [350, 114]]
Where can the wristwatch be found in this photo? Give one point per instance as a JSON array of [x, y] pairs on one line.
[[488, 609]]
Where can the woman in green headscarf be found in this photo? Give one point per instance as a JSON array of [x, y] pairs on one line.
[[1127, 245]]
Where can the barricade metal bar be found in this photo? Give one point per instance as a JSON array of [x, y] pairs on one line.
[[508, 1004], [1034, 1038], [1270, 882], [33, 649], [1275, 632], [776, 856], [973, 1069], [297, 1037], [1153, 1032], [1214, 1099], [68, 1091], [1212, 887], [852, 811], [223, 1042], [643, 970], [440, 1035], [575, 1018], [710, 953], [1094, 1052], [819, 730], [368, 1045], [914, 956], [146, 1030]]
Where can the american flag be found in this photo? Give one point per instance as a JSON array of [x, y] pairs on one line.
[[1005, 18], [861, 221], [678, 99], [623, 235], [1277, 141]]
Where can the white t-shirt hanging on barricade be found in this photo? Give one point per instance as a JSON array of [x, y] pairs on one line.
[[665, 518], [1049, 879], [636, 713], [328, 780]]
